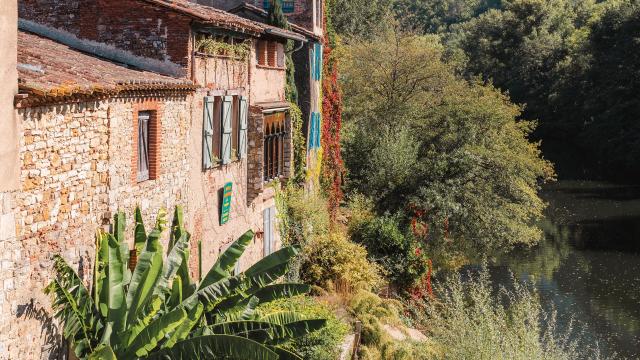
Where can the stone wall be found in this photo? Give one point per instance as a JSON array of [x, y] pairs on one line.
[[76, 166]]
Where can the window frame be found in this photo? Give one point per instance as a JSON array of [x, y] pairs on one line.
[[144, 118], [274, 147]]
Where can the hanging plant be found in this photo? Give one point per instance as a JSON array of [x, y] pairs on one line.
[[211, 46]]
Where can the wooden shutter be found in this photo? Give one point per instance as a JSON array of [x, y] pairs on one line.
[[268, 218], [227, 128], [207, 133], [143, 146], [318, 130], [244, 124]]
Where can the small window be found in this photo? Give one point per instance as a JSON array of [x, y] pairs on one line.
[[274, 145], [262, 52], [144, 118], [288, 7]]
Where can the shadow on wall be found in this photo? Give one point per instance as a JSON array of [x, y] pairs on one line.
[[53, 346]]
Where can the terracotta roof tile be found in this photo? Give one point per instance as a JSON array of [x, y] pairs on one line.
[[50, 69], [216, 17]]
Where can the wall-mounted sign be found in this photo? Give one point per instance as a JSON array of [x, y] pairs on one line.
[[226, 203]]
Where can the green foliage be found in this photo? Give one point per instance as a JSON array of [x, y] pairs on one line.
[[157, 311], [574, 64], [333, 257], [299, 145], [276, 17], [436, 16], [465, 163], [359, 18], [216, 47], [320, 345], [470, 322], [393, 247]]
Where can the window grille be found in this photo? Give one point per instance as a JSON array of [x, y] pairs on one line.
[[274, 145]]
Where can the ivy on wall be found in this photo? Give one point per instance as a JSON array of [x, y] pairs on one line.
[[332, 164]]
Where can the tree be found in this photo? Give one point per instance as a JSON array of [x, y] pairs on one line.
[[156, 311], [436, 16], [465, 167], [359, 18]]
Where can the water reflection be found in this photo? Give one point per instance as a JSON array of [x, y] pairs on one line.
[[588, 267]]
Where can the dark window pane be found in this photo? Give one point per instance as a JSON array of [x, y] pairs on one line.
[[143, 145]]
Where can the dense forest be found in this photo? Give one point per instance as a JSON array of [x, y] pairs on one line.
[[572, 65]]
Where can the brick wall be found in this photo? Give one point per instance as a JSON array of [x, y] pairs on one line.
[[255, 154], [131, 25]]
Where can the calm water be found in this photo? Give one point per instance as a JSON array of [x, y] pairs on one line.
[[588, 268]]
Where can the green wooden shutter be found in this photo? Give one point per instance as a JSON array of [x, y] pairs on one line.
[[227, 128], [207, 133], [244, 124]]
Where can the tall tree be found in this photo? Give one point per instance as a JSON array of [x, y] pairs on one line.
[[420, 140]]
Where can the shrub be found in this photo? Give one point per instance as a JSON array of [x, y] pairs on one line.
[[470, 322], [332, 257], [395, 250], [320, 345]]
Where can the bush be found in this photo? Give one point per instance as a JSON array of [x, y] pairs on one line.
[[332, 257], [469, 322], [395, 250], [320, 345]]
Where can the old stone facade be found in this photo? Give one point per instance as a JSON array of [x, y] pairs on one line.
[[77, 121]]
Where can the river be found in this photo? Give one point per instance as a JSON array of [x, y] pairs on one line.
[[588, 267]]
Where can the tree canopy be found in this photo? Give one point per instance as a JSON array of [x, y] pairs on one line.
[[420, 137]]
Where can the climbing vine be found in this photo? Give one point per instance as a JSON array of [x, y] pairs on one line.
[[216, 47], [332, 165]]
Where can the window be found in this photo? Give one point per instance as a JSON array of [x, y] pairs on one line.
[[224, 134], [146, 146], [288, 6], [143, 145], [270, 53], [274, 145]]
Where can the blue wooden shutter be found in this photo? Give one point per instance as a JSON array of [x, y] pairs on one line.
[[207, 133], [317, 70], [227, 128], [318, 129], [244, 124]]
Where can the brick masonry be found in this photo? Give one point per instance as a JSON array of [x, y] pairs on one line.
[[143, 29]]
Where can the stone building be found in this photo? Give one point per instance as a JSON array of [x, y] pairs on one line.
[[306, 19], [135, 102]]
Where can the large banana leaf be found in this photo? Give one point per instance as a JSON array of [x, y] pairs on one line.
[[171, 266], [151, 311], [280, 291], [270, 268], [279, 334], [237, 327], [282, 317], [103, 352], [177, 226], [242, 310], [116, 303], [148, 338], [140, 235], [213, 294], [285, 354], [182, 332], [145, 276], [227, 260], [72, 315], [216, 347]]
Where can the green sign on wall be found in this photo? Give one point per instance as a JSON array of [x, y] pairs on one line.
[[226, 203]]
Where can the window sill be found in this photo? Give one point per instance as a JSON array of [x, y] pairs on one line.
[[268, 67]]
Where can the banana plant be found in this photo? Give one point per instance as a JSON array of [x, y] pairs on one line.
[[157, 311]]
